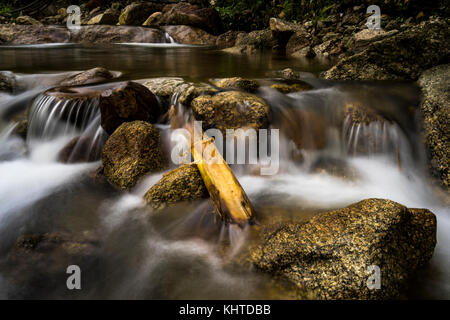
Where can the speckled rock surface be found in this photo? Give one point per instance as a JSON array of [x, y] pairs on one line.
[[132, 151], [400, 57], [435, 107], [231, 110], [131, 101], [182, 184], [329, 255], [236, 83], [93, 75], [291, 86]]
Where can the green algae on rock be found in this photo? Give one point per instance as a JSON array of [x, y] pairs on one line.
[[132, 151], [182, 184], [330, 254]]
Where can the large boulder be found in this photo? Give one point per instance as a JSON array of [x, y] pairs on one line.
[[182, 184], [136, 13], [32, 34], [115, 34], [132, 151], [435, 84], [299, 44], [110, 16], [192, 15], [190, 35], [400, 57], [130, 101], [231, 110], [227, 39], [334, 254]]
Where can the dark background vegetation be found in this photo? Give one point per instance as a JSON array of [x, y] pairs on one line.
[[255, 14]]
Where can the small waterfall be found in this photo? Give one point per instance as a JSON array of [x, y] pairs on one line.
[[56, 116], [168, 38]]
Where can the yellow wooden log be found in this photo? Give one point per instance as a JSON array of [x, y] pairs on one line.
[[227, 195]]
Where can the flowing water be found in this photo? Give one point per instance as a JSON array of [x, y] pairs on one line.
[[133, 252]]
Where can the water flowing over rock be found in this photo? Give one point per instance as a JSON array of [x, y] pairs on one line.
[[330, 254], [190, 35], [182, 184], [81, 149], [132, 151], [435, 84], [231, 110], [7, 81], [90, 76], [131, 101], [400, 57]]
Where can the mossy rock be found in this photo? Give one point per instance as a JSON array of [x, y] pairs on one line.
[[182, 184], [132, 151], [330, 254]]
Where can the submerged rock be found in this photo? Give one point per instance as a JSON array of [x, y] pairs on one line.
[[132, 151], [332, 253], [80, 149], [291, 86], [435, 84], [190, 35], [236, 83], [93, 75], [231, 110], [131, 101], [182, 184], [400, 57]]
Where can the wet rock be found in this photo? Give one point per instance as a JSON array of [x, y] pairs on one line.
[[130, 101], [7, 81], [154, 20], [38, 262], [136, 13], [80, 149], [357, 113], [291, 87], [335, 167], [185, 92], [236, 83], [93, 75], [330, 254], [27, 20], [435, 109], [114, 34], [132, 151], [402, 56], [190, 35], [227, 39], [182, 184], [110, 16], [32, 34], [22, 129], [231, 110], [195, 16]]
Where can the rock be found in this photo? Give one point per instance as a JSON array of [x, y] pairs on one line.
[[182, 184], [330, 254], [297, 42], [291, 87], [93, 75], [115, 34], [363, 38], [281, 26], [358, 114], [195, 16], [435, 84], [190, 35], [166, 87], [22, 129], [79, 149], [400, 57], [110, 16], [335, 167], [227, 39], [27, 20], [130, 101], [55, 20], [38, 262], [32, 34], [236, 83], [231, 110], [132, 151], [260, 39], [242, 50], [7, 81], [136, 13], [154, 20]]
